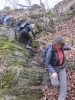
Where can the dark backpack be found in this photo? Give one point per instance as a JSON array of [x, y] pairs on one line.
[[23, 25], [44, 53]]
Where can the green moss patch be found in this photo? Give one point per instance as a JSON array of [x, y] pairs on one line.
[[7, 50], [35, 44], [31, 94], [1, 98], [26, 94], [33, 77], [7, 78]]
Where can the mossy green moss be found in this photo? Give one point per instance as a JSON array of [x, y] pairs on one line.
[[36, 30], [52, 30], [2, 90], [35, 78], [32, 94], [35, 43], [7, 78], [66, 18], [41, 13], [5, 26], [51, 15], [15, 63], [74, 37], [10, 45], [25, 94], [1, 98]]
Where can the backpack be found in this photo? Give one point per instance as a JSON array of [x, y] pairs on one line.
[[44, 53], [24, 24]]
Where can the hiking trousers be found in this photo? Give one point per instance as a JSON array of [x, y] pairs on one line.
[[24, 34], [61, 82]]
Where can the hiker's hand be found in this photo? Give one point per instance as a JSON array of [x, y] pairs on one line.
[[54, 75]]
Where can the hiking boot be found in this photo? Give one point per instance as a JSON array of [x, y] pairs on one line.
[[28, 47]]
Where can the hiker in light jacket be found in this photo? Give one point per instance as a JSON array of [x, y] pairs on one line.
[[2, 18], [55, 64], [8, 20]]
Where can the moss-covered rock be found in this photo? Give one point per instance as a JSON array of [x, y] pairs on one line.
[[66, 17], [24, 94], [19, 73], [30, 76], [36, 30], [35, 44], [1, 98], [12, 53], [7, 78], [49, 29], [16, 83]]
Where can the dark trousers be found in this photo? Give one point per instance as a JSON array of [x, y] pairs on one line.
[[25, 36]]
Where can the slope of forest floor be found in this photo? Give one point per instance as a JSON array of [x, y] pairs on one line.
[[67, 31]]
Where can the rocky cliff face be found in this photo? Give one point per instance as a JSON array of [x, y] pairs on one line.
[[18, 70]]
